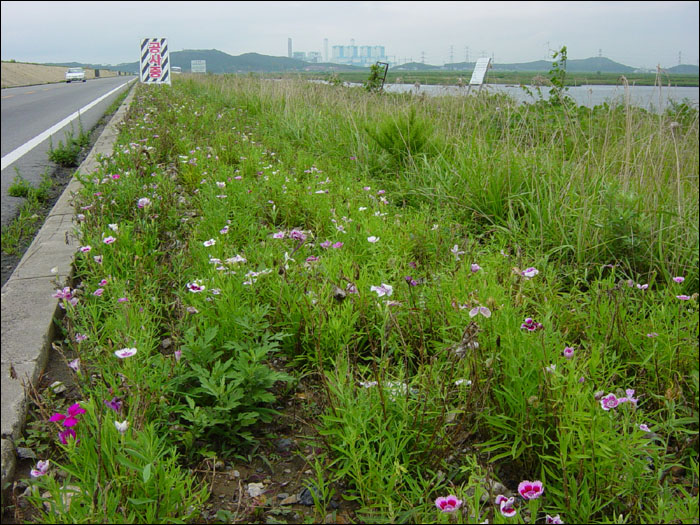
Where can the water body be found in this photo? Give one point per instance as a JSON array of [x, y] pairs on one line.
[[648, 97]]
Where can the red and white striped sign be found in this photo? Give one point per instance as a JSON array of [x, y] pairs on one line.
[[155, 61]]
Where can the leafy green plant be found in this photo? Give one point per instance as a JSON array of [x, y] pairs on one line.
[[375, 82], [557, 77], [67, 154], [226, 397]]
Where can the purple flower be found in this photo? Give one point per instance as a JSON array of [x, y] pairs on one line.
[[411, 281], [278, 235], [311, 258], [178, 355], [683, 297], [338, 245], [210, 242], [531, 325], [449, 504], [115, 404], [351, 288], [74, 365], [554, 520], [98, 292], [373, 239], [609, 401], [85, 249], [42, 467], [326, 244], [71, 418], [122, 300], [109, 240], [297, 235], [480, 310], [529, 273], [679, 279], [568, 352], [143, 202], [652, 334], [530, 489], [475, 268], [644, 428], [642, 286]]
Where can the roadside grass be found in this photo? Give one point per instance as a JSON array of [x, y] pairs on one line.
[[480, 293], [23, 228]]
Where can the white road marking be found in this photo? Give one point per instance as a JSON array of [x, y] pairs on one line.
[[33, 143]]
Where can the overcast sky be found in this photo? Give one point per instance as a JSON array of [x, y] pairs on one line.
[[639, 34]]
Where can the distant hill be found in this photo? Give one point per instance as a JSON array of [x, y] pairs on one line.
[[220, 62], [684, 69]]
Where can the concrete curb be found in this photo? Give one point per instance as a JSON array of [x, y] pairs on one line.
[[28, 308]]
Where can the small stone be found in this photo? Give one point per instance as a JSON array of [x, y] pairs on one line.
[[287, 471], [25, 453], [236, 474], [219, 465], [291, 500], [255, 489], [282, 495], [58, 387], [284, 444], [306, 497]]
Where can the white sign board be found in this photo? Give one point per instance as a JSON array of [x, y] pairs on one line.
[[198, 66], [482, 65], [155, 61]]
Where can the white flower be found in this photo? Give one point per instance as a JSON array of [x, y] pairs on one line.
[[123, 426], [125, 352], [529, 273], [383, 290], [372, 239], [456, 251]]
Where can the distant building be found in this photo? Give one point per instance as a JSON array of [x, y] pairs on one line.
[[299, 55], [358, 55]]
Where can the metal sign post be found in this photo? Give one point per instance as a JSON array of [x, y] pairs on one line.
[[198, 66], [155, 61], [386, 70], [480, 69]]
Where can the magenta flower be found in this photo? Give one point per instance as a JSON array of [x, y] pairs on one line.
[[629, 398], [531, 325], [644, 428], [196, 287], [475, 268], [411, 281], [337, 245], [109, 240], [210, 242], [553, 520], [98, 292], [683, 297], [71, 418], [449, 504], [122, 300], [506, 505], [66, 434], [326, 244], [311, 258], [74, 365], [224, 230], [178, 355], [85, 249], [278, 235], [568, 352], [652, 334], [98, 259], [143, 202], [42, 467], [530, 489], [679, 279], [609, 401], [125, 352]]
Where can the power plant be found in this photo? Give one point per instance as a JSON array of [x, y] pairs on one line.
[[348, 55]]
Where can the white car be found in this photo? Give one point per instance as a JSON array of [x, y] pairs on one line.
[[75, 73]]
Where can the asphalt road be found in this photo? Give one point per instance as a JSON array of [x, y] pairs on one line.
[[27, 112]]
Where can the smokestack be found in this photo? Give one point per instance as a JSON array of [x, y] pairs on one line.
[[289, 47]]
